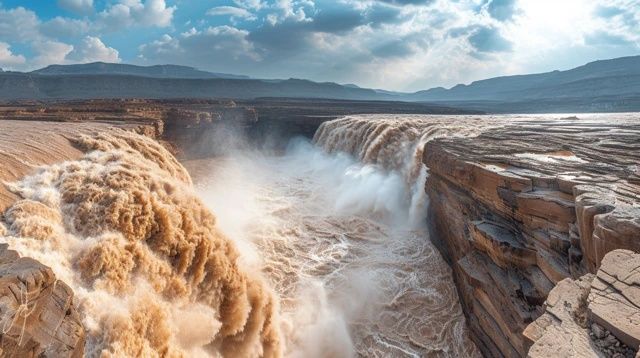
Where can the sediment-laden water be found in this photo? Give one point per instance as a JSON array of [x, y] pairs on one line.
[[338, 227], [318, 252], [151, 272]]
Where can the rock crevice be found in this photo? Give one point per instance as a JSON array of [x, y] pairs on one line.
[[597, 313]]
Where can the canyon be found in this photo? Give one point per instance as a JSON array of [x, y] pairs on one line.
[[538, 218]]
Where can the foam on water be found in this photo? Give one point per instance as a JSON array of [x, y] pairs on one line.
[[337, 239], [320, 252], [151, 272]]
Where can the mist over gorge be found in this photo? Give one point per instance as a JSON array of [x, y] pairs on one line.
[[320, 234], [304, 178], [326, 242]]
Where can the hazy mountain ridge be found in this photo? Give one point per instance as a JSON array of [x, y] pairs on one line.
[[606, 85], [156, 71], [36, 86], [592, 79]]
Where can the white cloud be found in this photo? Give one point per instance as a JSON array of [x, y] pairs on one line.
[[49, 52], [232, 11], [7, 58], [115, 17], [18, 24], [223, 46], [251, 4], [61, 27], [291, 10], [92, 49], [77, 6], [22, 26], [393, 44], [151, 13]]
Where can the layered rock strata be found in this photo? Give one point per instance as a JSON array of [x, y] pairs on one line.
[[196, 126], [521, 207]]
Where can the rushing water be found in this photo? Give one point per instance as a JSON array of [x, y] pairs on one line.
[[151, 272], [321, 251], [340, 243]]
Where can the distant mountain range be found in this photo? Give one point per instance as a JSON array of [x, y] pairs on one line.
[[15, 86], [607, 85], [620, 76], [157, 71]]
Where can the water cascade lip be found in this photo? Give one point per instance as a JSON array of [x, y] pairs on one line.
[[152, 274], [338, 241], [321, 251]]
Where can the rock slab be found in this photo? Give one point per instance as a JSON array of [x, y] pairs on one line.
[[37, 315], [593, 316], [614, 300]]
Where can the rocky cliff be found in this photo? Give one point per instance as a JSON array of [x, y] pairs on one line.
[[520, 208], [530, 204]]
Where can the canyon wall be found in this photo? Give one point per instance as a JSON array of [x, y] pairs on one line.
[[521, 207]]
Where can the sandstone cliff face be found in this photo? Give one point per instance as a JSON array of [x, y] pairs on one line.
[[207, 129], [37, 313], [196, 127], [518, 209]]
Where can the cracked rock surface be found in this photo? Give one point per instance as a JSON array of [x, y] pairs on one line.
[[593, 316], [37, 315], [614, 300]]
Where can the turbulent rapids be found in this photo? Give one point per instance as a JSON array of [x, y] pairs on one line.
[[318, 252], [152, 273]]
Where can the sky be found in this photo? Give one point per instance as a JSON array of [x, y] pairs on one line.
[[403, 45]]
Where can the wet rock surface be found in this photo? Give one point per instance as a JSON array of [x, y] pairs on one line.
[[37, 313], [521, 207]]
